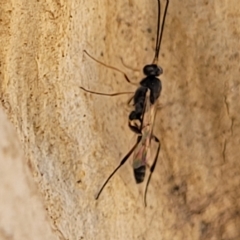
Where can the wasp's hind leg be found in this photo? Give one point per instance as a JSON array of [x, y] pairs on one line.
[[119, 166], [152, 168]]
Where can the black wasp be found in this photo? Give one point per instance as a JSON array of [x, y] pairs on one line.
[[141, 119]]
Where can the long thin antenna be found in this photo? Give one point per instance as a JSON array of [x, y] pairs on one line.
[[160, 31]]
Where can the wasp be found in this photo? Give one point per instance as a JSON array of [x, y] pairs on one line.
[[141, 118]]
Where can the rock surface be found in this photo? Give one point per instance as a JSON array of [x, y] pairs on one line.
[[72, 140]]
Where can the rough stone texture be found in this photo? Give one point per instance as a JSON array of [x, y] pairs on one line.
[[72, 140], [22, 215]]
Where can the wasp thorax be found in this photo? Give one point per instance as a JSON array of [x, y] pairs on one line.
[[152, 70]]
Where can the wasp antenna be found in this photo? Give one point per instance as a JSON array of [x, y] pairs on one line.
[[160, 31], [121, 163]]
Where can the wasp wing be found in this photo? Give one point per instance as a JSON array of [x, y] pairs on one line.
[[142, 152]]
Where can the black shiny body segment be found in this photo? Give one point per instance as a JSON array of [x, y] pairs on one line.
[[139, 173], [138, 103], [155, 86]]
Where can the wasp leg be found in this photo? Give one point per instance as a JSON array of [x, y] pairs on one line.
[[130, 100], [121, 163], [152, 168], [135, 127], [111, 67], [105, 94]]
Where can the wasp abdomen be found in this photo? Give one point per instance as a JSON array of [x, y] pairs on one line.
[[139, 173]]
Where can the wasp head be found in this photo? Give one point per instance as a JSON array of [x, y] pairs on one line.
[[152, 70]]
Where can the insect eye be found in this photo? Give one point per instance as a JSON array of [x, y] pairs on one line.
[[152, 70]]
